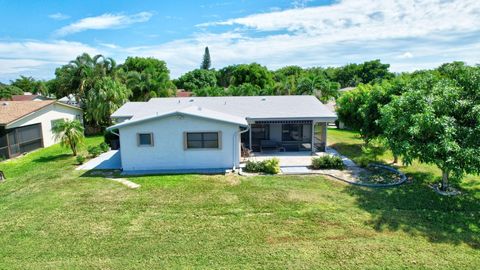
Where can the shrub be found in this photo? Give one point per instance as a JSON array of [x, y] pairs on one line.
[[104, 147], [363, 161], [270, 166], [253, 166], [94, 151], [328, 162], [80, 159]]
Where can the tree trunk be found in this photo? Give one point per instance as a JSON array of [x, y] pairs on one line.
[[74, 149], [444, 185], [395, 159]]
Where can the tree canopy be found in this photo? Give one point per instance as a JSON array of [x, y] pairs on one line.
[[437, 120], [105, 98], [147, 78], [197, 79]]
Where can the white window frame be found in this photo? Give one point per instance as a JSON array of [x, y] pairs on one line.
[[185, 141], [145, 145]]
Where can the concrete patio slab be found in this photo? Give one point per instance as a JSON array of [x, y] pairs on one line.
[[287, 159]]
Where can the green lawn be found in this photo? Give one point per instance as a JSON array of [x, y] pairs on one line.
[[52, 217]]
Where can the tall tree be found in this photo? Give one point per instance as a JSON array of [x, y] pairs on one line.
[[7, 91], [106, 97], [197, 79], [206, 62], [147, 77], [254, 74], [70, 134], [437, 121], [315, 85], [29, 84]]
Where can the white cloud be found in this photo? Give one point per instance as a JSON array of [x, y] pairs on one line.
[[405, 33], [38, 58], [105, 21], [58, 16], [406, 55], [375, 19], [300, 3]]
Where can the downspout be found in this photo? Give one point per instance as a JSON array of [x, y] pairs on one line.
[[114, 133], [235, 147]]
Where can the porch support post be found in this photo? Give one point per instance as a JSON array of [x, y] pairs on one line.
[[313, 138], [250, 137], [324, 136]]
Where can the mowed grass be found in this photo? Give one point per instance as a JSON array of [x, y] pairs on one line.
[[53, 217]]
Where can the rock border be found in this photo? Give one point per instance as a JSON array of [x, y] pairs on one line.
[[403, 177], [452, 192]]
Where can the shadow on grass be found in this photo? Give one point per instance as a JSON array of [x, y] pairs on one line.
[[52, 158], [102, 173], [416, 209]]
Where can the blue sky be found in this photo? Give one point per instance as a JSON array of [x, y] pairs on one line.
[[38, 36]]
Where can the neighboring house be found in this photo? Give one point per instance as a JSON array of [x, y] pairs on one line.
[[208, 132], [70, 100], [183, 93], [26, 125], [27, 97]]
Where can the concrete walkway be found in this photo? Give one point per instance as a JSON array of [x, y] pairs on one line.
[[350, 174], [106, 161], [125, 182]]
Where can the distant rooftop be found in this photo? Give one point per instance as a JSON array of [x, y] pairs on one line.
[[26, 98]]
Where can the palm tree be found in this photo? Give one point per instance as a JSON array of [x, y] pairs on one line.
[[106, 97], [82, 69], [104, 66], [70, 134]]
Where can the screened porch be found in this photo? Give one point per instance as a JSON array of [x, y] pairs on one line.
[[285, 136], [16, 141]]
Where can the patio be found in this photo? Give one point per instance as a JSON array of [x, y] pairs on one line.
[[287, 159]]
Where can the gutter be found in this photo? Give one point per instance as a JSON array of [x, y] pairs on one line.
[[235, 148]]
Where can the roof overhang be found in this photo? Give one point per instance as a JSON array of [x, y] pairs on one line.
[[6, 125], [206, 114]]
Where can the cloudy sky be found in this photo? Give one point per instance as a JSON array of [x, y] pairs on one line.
[[38, 36]]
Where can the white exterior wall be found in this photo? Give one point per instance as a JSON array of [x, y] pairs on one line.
[[168, 153], [45, 117]]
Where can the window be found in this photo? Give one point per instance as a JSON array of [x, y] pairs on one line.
[[199, 140], [56, 122], [145, 139]]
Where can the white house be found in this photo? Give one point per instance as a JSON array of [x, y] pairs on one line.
[[26, 125], [197, 133]]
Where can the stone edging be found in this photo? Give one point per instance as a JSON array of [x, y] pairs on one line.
[[403, 178]]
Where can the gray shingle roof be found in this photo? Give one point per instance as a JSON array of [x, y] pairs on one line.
[[191, 110], [251, 107]]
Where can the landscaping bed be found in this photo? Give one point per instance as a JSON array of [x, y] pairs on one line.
[[381, 175]]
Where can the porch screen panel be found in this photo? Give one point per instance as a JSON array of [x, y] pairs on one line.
[[292, 132], [3, 144], [29, 138]]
